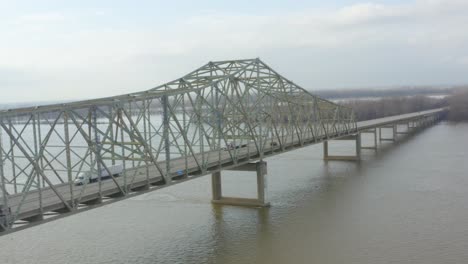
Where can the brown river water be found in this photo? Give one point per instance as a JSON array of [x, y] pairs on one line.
[[408, 203]]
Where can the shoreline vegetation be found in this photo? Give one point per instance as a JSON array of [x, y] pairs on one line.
[[372, 109], [336, 94], [458, 104], [374, 103]]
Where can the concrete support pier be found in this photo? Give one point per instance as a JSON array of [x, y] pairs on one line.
[[355, 137], [394, 133], [407, 131], [374, 133], [260, 168]]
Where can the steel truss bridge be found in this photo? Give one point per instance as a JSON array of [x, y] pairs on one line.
[[224, 115]]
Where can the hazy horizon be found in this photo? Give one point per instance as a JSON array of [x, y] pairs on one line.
[[377, 92], [66, 51]]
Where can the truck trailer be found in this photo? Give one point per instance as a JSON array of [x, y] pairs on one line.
[[88, 176]]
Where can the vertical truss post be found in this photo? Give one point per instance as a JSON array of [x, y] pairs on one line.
[[184, 128], [167, 146], [68, 157], [91, 145], [217, 132], [145, 133], [201, 131], [4, 208], [37, 158], [122, 147], [12, 153], [97, 146], [150, 125], [111, 134], [259, 113], [41, 143], [132, 150]]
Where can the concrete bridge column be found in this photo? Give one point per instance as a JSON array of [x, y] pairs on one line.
[[260, 168], [394, 133], [356, 137], [402, 132], [418, 124], [216, 186], [411, 126], [374, 132]]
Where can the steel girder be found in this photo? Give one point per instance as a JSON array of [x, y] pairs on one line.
[[220, 111]]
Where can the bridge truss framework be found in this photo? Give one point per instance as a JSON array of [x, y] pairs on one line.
[[225, 112]]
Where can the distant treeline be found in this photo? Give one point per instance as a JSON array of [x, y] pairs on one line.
[[387, 92], [370, 109], [458, 103]]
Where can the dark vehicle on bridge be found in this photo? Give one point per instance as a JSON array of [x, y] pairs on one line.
[[231, 145], [5, 214]]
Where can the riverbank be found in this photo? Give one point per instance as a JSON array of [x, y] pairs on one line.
[[366, 109]]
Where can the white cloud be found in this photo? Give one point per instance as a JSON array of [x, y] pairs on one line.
[[368, 12], [41, 18], [361, 44]]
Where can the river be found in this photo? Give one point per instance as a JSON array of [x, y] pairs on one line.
[[406, 204]]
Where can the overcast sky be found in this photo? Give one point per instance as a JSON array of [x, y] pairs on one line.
[[62, 50]]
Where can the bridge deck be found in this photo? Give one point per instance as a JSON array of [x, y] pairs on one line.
[[363, 125], [136, 177]]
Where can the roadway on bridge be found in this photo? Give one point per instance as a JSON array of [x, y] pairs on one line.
[[363, 125]]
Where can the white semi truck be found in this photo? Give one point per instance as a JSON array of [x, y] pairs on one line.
[[88, 176]]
